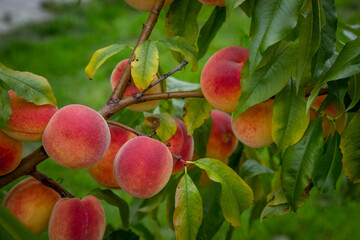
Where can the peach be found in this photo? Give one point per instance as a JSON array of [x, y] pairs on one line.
[[103, 171], [213, 2], [253, 127], [332, 110], [76, 137], [143, 166], [181, 144], [220, 77], [77, 219], [27, 121], [31, 203], [10, 153], [132, 89], [145, 5]]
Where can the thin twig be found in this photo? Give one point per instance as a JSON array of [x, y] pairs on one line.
[[127, 128]]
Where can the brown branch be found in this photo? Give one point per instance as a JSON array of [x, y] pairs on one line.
[[27, 165], [51, 183], [127, 128]]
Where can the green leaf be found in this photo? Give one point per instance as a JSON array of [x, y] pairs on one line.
[[12, 228], [309, 41], [128, 117], [231, 5], [350, 145], [236, 195], [122, 235], [180, 45], [201, 137], [298, 163], [196, 111], [267, 80], [100, 56], [347, 63], [210, 29], [29, 86], [5, 108], [164, 124], [175, 85], [271, 21], [145, 65], [328, 168], [289, 120], [272, 211], [354, 91], [114, 200], [252, 168], [188, 209]]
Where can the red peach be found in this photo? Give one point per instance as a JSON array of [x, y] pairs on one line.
[[253, 127], [76, 137], [103, 171], [10, 153], [27, 121], [220, 77], [143, 166], [77, 219], [132, 89], [31, 203], [145, 5], [213, 2]]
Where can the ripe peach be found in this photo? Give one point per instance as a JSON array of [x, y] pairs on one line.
[[253, 127], [332, 110], [27, 121], [76, 137], [77, 219], [181, 144], [132, 89], [145, 5], [10, 153], [213, 2], [31, 203], [220, 77], [143, 166], [103, 171]]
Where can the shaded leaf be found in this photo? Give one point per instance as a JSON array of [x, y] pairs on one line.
[[201, 137], [236, 195], [299, 161], [122, 235], [164, 124], [29, 86], [196, 111], [350, 145], [100, 56], [129, 118], [354, 91], [272, 211], [175, 85], [5, 108], [252, 168], [188, 209], [231, 5]]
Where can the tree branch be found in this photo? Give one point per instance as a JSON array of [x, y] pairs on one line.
[[127, 128]]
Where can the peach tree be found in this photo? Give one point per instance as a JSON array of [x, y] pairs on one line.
[[267, 122]]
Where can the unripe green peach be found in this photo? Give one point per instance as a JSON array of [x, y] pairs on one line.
[[220, 77], [103, 171], [76, 137], [77, 219], [31, 203], [143, 166], [132, 89], [220, 3], [10, 153], [145, 5], [27, 121], [253, 127]]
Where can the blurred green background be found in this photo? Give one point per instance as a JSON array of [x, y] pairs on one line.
[[59, 50]]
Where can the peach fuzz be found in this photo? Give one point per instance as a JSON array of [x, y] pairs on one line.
[[132, 89], [220, 77], [31, 203], [181, 144], [76, 137], [10, 153], [332, 110], [143, 166], [27, 121], [253, 127], [77, 219], [103, 171], [145, 5], [220, 3]]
